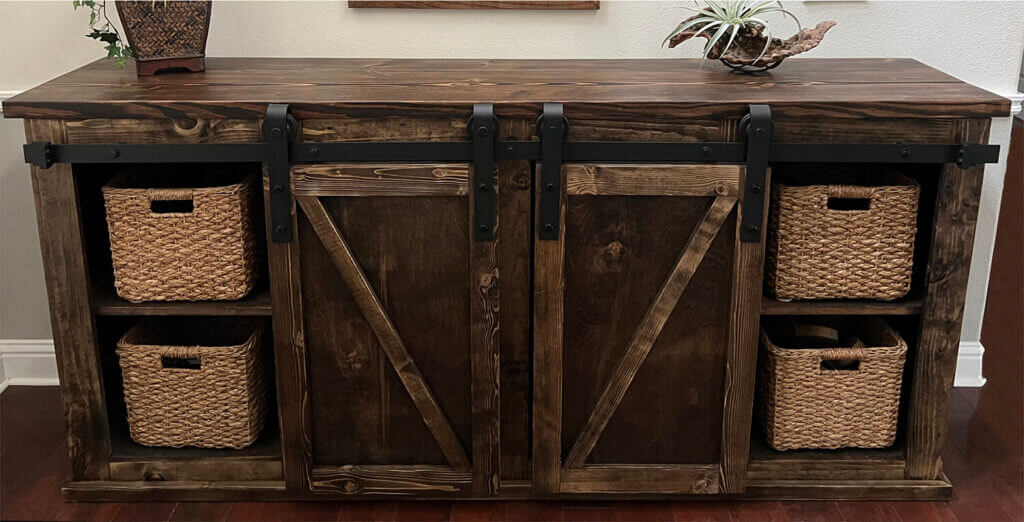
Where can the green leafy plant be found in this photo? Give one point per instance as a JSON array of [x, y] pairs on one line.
[[102, 29], [731, 18]]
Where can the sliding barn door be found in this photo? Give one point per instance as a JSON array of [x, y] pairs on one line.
[[646, 310], [394, 323]]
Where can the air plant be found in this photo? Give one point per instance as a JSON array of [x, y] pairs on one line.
[[730, 18]]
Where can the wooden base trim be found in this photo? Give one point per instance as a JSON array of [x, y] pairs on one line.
[[391, 481], [653, 479], [940, 489], [114, 491]]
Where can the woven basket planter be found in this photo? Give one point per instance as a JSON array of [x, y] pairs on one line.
[[843, 241], [829, 398], [194, 383], [166, 34], [205, 249]]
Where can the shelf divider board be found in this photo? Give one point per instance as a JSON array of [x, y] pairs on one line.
[[772, 306], [255, 304]]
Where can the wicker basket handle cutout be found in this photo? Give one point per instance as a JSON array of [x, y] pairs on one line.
[[849, 198], [171, 202], [180, 358], [843, 360]]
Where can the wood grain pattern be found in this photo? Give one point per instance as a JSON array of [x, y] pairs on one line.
[[256, 303], [741, 368], [851, 489], [290, 356], [105, 131], [548, 316], [620, 90], [515, 243], [404, 127], [772, 306], [355, 179], [71, 320], [652, 479], [388, 337], [391, 481], [479, 4], [934, 366], [650, 327], [485, 354], [110, 490], [652, 180], [175, 470]]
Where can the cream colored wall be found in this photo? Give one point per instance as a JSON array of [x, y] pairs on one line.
[[979, 42]]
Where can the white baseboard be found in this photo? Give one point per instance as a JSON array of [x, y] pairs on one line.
[[968, 365], [27, 362], [32, 363]]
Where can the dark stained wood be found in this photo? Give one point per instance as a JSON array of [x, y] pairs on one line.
[[548, 320], [741, 373], [647, 479], [111, 490], [290, 356], [398, 481], [151, 67], [772, 306], [478, 4], [256, 303], [903, 130], [103, 131], [515, 214], [485, 353], [623, 90], [652, 180], [650, 327], [939, 489], [333, 179], [678, 420], [198, 470], [71, 320], [956, 214], [388, 337], [979, 462]]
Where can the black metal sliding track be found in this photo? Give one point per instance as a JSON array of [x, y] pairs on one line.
[[279, 150]]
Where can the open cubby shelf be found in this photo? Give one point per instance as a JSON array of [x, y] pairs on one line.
[[760, 451], [266, 447]]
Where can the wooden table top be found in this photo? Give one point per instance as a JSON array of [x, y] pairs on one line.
[[662, 88]]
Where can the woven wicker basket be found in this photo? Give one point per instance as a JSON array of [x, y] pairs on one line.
[[197, 383], [206, 254], [867, 252], [831, 398]]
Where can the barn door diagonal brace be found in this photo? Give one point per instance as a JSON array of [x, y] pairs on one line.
[[483, 133]]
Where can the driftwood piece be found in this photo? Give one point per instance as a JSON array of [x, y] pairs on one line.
[[750, 41]]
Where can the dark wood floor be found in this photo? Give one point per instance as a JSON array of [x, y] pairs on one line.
[[984, 455]]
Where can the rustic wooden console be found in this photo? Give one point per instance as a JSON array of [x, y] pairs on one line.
[[589, 330]]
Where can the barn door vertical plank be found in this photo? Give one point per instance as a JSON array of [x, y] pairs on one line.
[[741, 359], [290, 358], [549, 292], [484, 355], [515, 209]]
